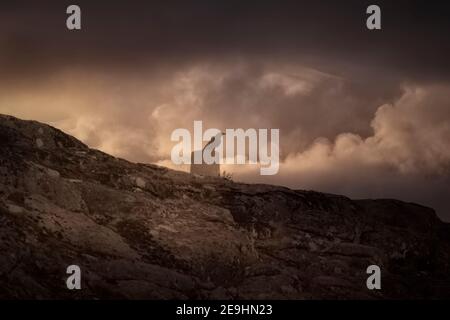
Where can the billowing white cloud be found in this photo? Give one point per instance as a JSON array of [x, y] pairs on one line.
[[407, 157], [335, 135]]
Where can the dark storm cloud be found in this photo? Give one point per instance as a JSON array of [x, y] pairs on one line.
[[330, 34]]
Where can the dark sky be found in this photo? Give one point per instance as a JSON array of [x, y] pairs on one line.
[[412, 45], [361, 113]]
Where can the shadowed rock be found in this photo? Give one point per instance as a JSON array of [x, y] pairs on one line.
[[140, 231]]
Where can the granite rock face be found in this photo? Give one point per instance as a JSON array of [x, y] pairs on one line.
[[140, 231]]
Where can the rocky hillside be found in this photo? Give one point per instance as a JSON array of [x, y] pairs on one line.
[[140, 231]]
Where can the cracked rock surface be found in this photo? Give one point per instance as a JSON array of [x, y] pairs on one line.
[[140, 231]]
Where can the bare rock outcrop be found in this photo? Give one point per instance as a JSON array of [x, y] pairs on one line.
[[140, 231]]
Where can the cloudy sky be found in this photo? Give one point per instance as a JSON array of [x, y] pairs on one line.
[[361, 113]]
